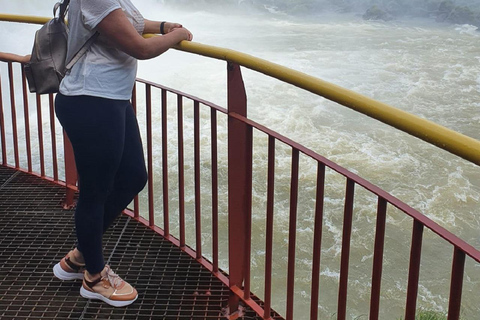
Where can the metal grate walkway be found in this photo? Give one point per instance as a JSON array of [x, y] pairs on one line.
[[35, 233]]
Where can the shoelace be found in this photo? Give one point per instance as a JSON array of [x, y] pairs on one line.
[[113, 278]]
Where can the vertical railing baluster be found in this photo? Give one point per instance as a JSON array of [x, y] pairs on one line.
[[238, 167], [181, 172], [292, 234], [151, 208], [414, 270], [13, 116], [317, 241], [378, 259], [456, 284], [26, 119], [248, 222], [71, 175], [53, 136], [269, 227], [166, 219], [213, 121], [136, 204], [2, 128], [198, 207], [345, 258], [40, 134]]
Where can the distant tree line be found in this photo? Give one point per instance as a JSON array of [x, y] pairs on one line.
[[441, 10]]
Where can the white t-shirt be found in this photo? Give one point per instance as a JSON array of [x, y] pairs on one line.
[[103, 71]]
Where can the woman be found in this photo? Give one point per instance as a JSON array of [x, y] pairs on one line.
[[94, 109]]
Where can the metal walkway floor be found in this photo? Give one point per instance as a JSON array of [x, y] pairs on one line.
[[35, 233]]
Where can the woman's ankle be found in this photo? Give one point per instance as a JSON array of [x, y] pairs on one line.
[[78, 256], [92, 277]]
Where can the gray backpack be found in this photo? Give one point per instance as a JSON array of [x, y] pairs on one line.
[[47, 65]]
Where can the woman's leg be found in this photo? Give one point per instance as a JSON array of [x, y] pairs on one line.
[[131, 175], [96, 128]]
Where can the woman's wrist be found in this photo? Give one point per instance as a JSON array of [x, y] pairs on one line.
[[162, 27]]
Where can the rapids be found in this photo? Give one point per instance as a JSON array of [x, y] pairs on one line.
[[427, 68]]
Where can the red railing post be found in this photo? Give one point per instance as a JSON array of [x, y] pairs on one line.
[[292, 234], [136, 204], [414, 270], [181, 171], [456, 284], [40, 134], [151, 209], [166, 212], [317, 240], [378, 259], [214, 152], [345, 258], [198, 207], [2, 129], [14, 116], [238, 173], [51, 105], [70, 172], [27, 120]]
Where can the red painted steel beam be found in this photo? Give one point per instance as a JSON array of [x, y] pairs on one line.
[[238, 169]]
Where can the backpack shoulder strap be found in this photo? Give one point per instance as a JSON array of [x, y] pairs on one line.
[[63, 9], [82, 51], [63, 6]]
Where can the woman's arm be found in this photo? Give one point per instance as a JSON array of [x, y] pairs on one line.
[[120, 33], [154, 26], [11, 57]]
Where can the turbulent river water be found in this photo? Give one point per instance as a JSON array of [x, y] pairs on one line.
[[426, 68]]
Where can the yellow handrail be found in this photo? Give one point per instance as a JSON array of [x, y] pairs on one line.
[[444, 138]]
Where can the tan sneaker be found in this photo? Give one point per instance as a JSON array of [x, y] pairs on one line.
[[68, 268], [109, 288]]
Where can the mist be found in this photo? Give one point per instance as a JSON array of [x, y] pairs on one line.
[[448, 11]]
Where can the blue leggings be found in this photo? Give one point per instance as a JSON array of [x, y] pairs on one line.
[[110, 163]]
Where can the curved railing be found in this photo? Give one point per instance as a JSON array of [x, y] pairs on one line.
[[240, 138]]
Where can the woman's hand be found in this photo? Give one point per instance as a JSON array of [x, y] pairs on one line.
[[170, 26], [187, 35]]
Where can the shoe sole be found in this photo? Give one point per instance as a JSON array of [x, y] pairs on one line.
[[64, 275], [96, 296]]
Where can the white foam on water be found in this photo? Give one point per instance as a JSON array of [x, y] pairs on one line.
[[427, 69]]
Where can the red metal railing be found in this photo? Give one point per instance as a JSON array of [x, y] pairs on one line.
[[240, 154]]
